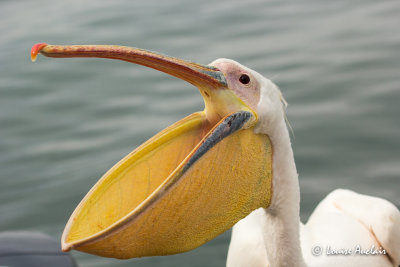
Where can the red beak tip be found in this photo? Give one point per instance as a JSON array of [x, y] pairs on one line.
[[36, 50]]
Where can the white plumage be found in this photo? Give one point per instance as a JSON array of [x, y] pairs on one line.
[[343, 220]]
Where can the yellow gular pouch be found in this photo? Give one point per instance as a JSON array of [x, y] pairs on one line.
[[184, 186], [153, 203]]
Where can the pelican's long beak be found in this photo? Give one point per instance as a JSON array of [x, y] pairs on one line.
[[184, 186]]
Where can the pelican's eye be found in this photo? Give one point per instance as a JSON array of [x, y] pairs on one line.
[[244, 78]]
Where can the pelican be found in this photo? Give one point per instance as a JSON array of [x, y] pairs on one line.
[[229, 164]]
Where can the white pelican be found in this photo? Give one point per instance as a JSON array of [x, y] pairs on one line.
[[197, 178]]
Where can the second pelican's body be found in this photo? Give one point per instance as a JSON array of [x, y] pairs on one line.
[[200, 176]]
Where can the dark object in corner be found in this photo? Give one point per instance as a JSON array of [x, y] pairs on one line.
[[32, 249]]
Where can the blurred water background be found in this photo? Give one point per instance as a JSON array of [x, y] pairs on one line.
[[64, 122]]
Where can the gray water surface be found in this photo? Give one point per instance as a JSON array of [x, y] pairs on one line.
[[64, 122]]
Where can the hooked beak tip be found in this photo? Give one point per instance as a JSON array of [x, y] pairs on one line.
[[36, 50]]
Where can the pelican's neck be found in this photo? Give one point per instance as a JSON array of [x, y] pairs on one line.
[[281, 225]]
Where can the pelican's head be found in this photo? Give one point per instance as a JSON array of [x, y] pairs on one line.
[[258, 92], [193, 180]]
